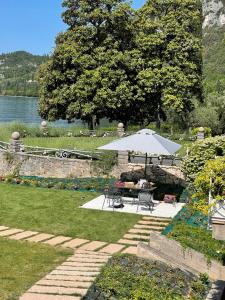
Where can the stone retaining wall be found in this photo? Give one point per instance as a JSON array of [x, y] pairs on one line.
[[33, 165], [175, 254]]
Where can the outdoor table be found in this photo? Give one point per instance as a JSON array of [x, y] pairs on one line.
[[133, 191]]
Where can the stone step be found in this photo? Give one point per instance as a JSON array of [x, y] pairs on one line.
[[23, 235], [163, 220], [95, 245], [141, 231], [128, 242], [144, 222], [57, 290], [74, 273], [130, 250], [9, 232], [138, 226], [31, 296], [112, 248], [70, 278], [63, 283], [136, 237], [40, 237], [57, 240], [75, 243]]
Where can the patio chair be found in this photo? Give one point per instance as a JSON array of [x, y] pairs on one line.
[[145, 198], [112, 196]]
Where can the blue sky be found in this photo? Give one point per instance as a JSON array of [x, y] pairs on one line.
[[32, 25]]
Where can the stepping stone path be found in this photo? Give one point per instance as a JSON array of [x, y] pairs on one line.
[[141, 232], [72, 279]]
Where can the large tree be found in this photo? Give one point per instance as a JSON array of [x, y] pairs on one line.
[[170, 41], [93, 65], [121, 64]]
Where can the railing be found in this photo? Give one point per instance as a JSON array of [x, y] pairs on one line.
[[4, 146], [156, 160], [54, 152]]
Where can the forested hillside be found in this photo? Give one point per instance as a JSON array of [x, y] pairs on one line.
[[214, 59], [17, 73]]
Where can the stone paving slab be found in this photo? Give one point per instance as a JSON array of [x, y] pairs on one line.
[[144, 222], [112, 248], [57, 240], [93, 245], [75, 243], [136, 236], [70, 278], [137, 226], [23, 235], [83, 264], [74, 273], [3, 228], [31, 296], [40, 237], [130, 250], [128, 242], [158, 219], [63, 283], [140, 231], [57, 290], [9, 232], [90, 260], [77, 268], [85, 252]]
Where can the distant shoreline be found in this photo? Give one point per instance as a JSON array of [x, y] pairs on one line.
[[19, 96]]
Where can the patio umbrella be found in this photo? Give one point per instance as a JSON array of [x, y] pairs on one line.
[[145, 141]]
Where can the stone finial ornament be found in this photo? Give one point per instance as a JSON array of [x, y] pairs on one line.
[[120, 130], [15, 136]]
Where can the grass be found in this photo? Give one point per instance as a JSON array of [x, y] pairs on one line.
[[59, 138], [58, 212], [80, 143], [22, 264], [200, 240]]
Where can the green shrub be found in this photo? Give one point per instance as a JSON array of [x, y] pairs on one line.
[[200, 240], [127, 277], [199, 153]]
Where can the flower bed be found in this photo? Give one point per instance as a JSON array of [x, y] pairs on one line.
[[81, 184], [127, 277]]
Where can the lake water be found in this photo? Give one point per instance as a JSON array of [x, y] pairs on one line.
[[22, 109]]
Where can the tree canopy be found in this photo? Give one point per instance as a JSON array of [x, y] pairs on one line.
[[123, 64]]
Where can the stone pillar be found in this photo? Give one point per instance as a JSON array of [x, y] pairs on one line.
[[15, 144], [201, 133], [120, 130], [44, 127], [122, 158]]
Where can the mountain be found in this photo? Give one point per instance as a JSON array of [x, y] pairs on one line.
[[214, 45], [17, 73]]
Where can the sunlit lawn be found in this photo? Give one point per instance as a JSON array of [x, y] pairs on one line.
[[81, 143], [22, 264], [58, 212]]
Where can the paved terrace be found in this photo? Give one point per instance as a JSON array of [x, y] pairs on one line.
[[161, 209]]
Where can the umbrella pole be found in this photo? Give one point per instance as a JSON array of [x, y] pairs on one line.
[[146, 160]]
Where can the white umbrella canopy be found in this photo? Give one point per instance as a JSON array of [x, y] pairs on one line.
[[144, 141]]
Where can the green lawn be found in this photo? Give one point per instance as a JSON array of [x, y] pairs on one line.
[[22, 264], [81, 143], [58, 212]]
